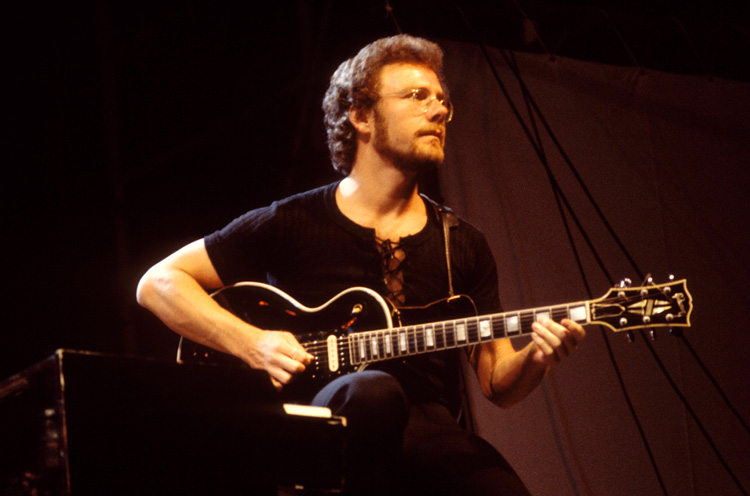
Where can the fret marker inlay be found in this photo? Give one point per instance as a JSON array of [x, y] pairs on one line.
[[512, 323], [485, 328], [461, 332]]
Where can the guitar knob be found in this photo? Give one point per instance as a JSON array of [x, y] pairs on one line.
[[671, 277]]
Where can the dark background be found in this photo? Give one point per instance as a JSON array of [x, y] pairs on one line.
[[134, 128]]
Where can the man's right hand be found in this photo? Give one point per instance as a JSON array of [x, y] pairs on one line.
[[279, 354], [175, 290]]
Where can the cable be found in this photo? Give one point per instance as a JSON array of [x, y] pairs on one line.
[[684, 400], [713, 381], [558, 441], [389, 13], [560, 197], [693, 415], [547, 402], [557, 190], [653, 352]]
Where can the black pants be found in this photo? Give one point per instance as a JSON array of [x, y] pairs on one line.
[[395, 447]]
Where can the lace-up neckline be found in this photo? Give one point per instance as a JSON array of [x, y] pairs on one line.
[[392, 255]]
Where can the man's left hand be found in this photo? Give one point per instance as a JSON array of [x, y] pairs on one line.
[[554, 341]]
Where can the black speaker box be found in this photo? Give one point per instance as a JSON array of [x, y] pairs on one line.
[[82, 423]]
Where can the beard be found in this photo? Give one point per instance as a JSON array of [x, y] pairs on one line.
[[409, 158]]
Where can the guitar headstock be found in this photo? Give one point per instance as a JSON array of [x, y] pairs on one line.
[[644, 307]]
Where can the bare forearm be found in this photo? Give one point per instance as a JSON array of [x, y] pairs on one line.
[[173, 289], [513, 377], [185, 307], [507, 376]]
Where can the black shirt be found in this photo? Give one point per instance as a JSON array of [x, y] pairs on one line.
[[306, 247]]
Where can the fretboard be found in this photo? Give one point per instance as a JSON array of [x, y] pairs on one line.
[[374, 346]]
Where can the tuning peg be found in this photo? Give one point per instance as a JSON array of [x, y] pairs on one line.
[[671, 277], [625, 283], [630, 336], [652, 334]]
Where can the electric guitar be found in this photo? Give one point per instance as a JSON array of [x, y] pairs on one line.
[[356, 327]]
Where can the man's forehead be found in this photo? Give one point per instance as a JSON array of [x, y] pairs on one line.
[[395, 77]]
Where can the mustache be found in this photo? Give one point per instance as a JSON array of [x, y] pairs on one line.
[[438, 131]]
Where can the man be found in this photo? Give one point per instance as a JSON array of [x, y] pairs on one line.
[[386, 115]]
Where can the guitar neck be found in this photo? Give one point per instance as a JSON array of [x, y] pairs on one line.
[[374, 346], [340, 349]]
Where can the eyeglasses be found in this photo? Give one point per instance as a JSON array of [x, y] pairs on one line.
[[423, 101]]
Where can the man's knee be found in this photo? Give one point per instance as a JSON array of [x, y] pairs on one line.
[[371, 396]]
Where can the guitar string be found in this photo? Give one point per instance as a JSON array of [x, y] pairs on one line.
[[421, 331]]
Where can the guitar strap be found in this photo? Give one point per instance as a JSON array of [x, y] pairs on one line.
[[448, 219]]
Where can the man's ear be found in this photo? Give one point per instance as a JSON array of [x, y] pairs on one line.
[[361, 119]]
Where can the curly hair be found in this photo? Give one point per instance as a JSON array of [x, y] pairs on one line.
[[355, 85]]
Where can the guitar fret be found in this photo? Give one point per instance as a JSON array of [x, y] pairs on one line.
[[362, 345], [419, 338], [439, 336], [450, 334], [461, 334], [367, 339], [387, 343], [498, 327], [403, 343], [558, 314], [578, 313], [527, 318], [473, 331], [350, 348], [429, 336], [485, 329], [541, 314], [512, 324]]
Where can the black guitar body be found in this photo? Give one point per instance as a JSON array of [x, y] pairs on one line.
[[356, 327], [324, 330], [267, 308]]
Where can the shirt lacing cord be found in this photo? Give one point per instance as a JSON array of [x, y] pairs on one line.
[[392, 255]]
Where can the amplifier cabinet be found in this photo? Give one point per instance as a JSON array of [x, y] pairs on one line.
[[84, 423]]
